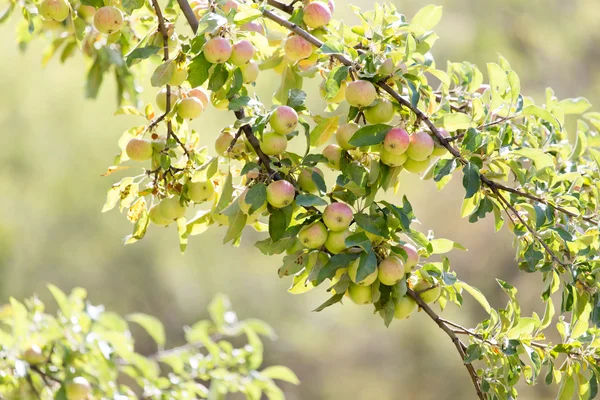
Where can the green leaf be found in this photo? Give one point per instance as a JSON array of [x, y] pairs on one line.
[[198, 70], [542, 113], [296, 99], [370, 135], [218, 78], [471, 181], [473, 353], [256, 197], [162, 74], [61, 300], [332, 47], [94, 80], [152, 325], [428, 17], [217, 309], [282, 373], [307, 200], [278, 222], [130, 5], [237, 222], [567, 388], [209, 23], [141, 53], [367, 265], [324, 130], [577, 106], [336, 298], [442, 246], [334, 80], [336, 262], [225, 193], [477, 295], [371, 225], [455, 121], [443, 168], [539, 158], [289, 80]]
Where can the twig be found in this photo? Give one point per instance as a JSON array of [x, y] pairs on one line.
[[235, 139], [189, 14]]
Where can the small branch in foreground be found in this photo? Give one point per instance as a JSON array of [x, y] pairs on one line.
[[189, 14]]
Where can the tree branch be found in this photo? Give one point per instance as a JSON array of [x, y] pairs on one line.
[[189, 14]]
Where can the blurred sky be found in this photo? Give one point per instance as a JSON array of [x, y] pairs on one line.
[[55, 145]]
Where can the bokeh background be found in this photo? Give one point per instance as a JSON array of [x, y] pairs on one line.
[[54, 146]]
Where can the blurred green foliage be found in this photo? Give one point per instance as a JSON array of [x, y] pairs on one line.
[[56, 145]]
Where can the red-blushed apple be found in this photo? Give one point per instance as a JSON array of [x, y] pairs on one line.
[[338, 97], [171, 209], [56, 10], [34, 355], [396, 141], [161, 98], [284, 120], [405, 307], [305, 180], [108, 20], [280, 193], [360, 294], [297, 48], [345, 133], [245, 207], [156, 217], [381, 112], [316, 14], [360, 93], [253, 26], [412, 257], [336, 241], [250, 72], [229, 5], [338, 216], [427, 292], [199, 192], [241, 52], [333, 154], [390, 270], [313, 236], [392, 160], [201, 94], [179, 76], [331, 5], [438, 149], [273, 143], [353, 269], [190, 108], [223, 142], [217, 50], [416, 167], [420, 147], [78, 389], [139, 149]]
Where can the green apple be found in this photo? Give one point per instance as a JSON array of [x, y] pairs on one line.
[[190, 108], [199, 192], [313, 236], [34, 355], [427, 292], [381, 112], [360, 294], [360, 93], [171, 209], [56, 10], [333, 153], [156, 217], [250, 72], [273, 143], [336, 241], [345, 133], [392, 160], [405, 307], [139, 149], [305, 180], [416, 167], [245, 207], [396, 141], [78, 389]]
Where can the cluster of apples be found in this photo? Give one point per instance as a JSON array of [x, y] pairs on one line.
[[107, 19], [283, 121]]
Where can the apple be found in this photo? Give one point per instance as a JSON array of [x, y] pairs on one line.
[[412, 257], [427, 292], [108, 20], [387, 67], [360, 294], [78, 389], [405, 307], [305, 180], [171, 209], [360, 93], [313, 236], [190, 108], [331, 5], [307, 63], [381, 112], [253, 26], [333, 154], [201, 94], [420, 147], [273, 143], [396, 141], [161, 98], [438, 149], [338, 216], [250, 72], [199, 192], [34, 355], [229, 5], [179, 76], [295, 247], [139, 149], [336, 241], [316, 14], [86, 12], [373, 238], [367, 281], [339, 96], [284, 120], [241, 52], [345, 133], [156, 217], [55, 10], [297, 48], [390, 270], [217, 50], [393, 160], [223, 142], [280, 193], [416, 167], [245, 207]]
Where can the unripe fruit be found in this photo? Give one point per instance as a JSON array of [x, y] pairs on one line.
[[221, 219], [161, 98], [345, 133], [336, 241], [78, 389], [199, 192], [316, 14], [34, 355], [190, 108], [390, 270], [297, 48], [241, 52], [108, 20], [339, 96], [416, 167], [360, 93], [245, 207], [338, 216], [223, 142], [156, 217], [381, 113], [250, 72], [307, 63], [295, 247], [229, 5], [85, 11], [393, 160], [367, 281], [201, 94], [313, 236], [217, 50], [333, 154], [396, 141], [427, 292], [412, 259], [253, 26], [360, 294], [421, 146], [331, 6], [284, 120], [404, 307], [179, 76], [438, 149], [171, 209], [373, 238], [338, 275], [57, 10], [220, 104], [387, 68], [305, 180], [280, 193], [139, 149], [273, 144]]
